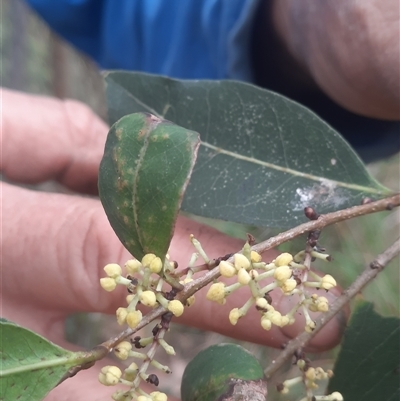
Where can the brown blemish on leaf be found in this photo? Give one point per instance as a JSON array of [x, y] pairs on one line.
[[118, 132]]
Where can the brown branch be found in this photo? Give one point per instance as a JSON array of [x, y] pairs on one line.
[[323, 221], [328, 219], [362, 280], [191, 288]]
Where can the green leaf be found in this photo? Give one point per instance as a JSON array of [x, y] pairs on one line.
[[31, 365], [262, 158], [143, 175], [208, 375], [367, 368]]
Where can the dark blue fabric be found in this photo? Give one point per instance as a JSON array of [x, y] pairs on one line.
[[213, 39], [179, 38]]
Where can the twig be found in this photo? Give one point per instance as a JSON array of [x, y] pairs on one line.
[[191, 288], [323, 221], [362, 280], [328, 219]]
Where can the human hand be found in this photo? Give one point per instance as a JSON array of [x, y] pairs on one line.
[[54, 246], [350, 48]]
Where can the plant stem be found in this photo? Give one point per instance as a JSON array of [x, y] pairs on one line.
[[328, 219], [323, 221], [100, 351], [370, 272]]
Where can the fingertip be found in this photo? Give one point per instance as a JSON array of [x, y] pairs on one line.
[[329, 336]]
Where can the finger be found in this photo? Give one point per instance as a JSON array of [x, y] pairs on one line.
[[57, 245], [45, 138]]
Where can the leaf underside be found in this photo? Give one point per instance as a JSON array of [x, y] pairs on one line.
[[263, 157], [30, 365]]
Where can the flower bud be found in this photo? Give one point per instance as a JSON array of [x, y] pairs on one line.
[[234, 316], [121, 313], [216, 292], [227, 269], [241, 262], [176, 307], [328, 282], [283, 259], [131, 371], [108, 284], [156, 265], [134, 318], [129, 298], [262, 303], [266, 324], [158, 396], [322, 304], [289, 285], [243, 276], [113, 270], [132, 266], [121, 351], [190, 301], [336, 396], [310, 374], [255, 257], [283, 273], [310, 327], [276, 318], [148, 298], [147, 259], [110, 375], [143, 398]]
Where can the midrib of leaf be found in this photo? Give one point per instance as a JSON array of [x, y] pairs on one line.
[[142, 154], [293, 172], [266, 164], [37, 366]]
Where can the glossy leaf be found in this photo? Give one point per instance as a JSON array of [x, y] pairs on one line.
[[367, 368], [209, 374], [262, 158], [30, 365], [143, 175]]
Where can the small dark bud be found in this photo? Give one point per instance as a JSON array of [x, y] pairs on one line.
[[389, 206], [297, 279], [134, 280], [155, 330], [259, 308], [329, 258], [375, 265], [136, 342], [221, 258], [280, 387], [250, 239], [170, 295], [166, 319], [153, 379], [268, 298], [310, 213]]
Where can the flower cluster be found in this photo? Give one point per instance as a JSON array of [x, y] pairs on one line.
[[286, 273], [144, 282], [309, 377]]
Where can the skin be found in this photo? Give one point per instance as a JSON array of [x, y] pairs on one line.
[[349, 48], [55, 245]]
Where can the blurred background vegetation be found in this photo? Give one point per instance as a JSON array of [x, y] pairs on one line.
[[35, 60]]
